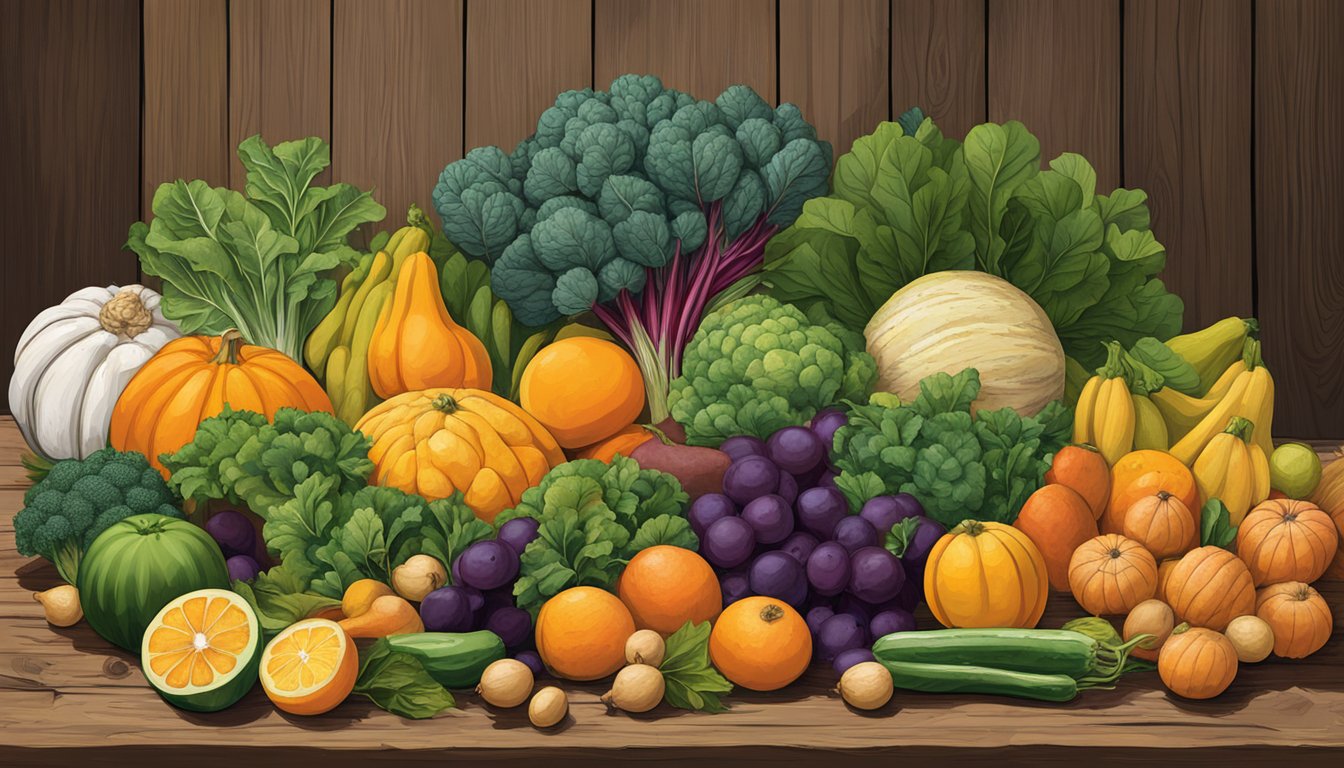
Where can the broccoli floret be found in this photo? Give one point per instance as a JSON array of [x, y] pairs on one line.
[[81, 498], [756, 365]]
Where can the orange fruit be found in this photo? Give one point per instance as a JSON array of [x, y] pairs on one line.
[[581, 633], [310, 667], [664, 587], [760, 643], [582, 390]]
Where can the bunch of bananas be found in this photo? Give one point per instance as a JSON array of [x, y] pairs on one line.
[[1114, 413], [337, 349], [1233, 468]]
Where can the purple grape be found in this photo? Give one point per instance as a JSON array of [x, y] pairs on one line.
[[750, 477], [456, 570], [233, 532], [826, 423], [799, 546], [513, 625], [846, 659], [828, 568], [741, 446], [775, 574], [875, 575], [708, 508], [838, 634], [921, 543], [242, 568], [818, 616], [855, 533], [518, 533], [795, 449], [734, 586], [819, 509], [887, 622], [475, 599], [885, 511], [788, 488], [533, 661], [770, 517], [496, 599], [827, 479], [809, 479], [912, 591], [488, 564], [448, 609], [851, 605], [728, 542]]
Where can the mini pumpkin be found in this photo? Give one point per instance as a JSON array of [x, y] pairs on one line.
[[1299, 616], [1286, 540], [192, 378], [1197, 663], [438, 441], [1209, 587], [1111, 574], [1162, 524], [985, 574], [1144, 473]]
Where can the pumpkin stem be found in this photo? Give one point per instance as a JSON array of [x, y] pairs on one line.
[[1240, 427], [771, 613], [445, 403], [1115, 553], [230, 342], [970, 527], [1163, 495], [1303, 592], [125, 314], [1181, 628]]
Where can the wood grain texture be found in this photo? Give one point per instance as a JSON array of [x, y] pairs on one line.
[[397, 110], [1055, 66], [520, 54], [279, 74], [1187, 136], [70, 150], [834, 65], [697, 46], [938, 61], [1299, 106]]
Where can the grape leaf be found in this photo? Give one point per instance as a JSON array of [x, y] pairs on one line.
[[691, 681]]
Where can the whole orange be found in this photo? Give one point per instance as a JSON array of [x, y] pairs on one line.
[[582, 390], [664, 587], [581, 633], [760, 643]]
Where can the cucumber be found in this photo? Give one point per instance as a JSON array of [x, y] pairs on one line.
[[453, 659]]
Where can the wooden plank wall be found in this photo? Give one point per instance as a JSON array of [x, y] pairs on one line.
[[1220, 109]]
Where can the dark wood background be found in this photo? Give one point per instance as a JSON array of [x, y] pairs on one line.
[[1226, 111]]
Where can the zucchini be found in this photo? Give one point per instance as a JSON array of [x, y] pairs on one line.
[[453, 659]]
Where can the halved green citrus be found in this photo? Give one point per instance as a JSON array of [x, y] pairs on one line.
[[202, 651]]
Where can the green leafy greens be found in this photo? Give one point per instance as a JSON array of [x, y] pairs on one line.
[[398, 683], [958, 465], [905, 204], [1215, 526], [259, 262], [691, 682]]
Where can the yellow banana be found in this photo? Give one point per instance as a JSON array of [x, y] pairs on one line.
[[1082, 414], [1181, 412], [1211, 350], [1224, 382], [338, 364], [378, 272], [1258, 406], [1224, 469], [1150, 430], [1188, 447], [1259, 474], [1113, 420]]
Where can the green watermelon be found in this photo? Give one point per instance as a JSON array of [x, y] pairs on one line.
[[137, 566], [203, 650]]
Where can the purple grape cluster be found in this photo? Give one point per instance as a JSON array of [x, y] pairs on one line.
[[780, 528]]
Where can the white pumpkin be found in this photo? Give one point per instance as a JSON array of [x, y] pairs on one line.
[[949, 321], [73, 361]]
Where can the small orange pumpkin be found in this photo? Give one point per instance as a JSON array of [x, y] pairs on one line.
[[1164, 570], [1162, 524], [1197, 663], [1111, 574], [1299, 616], [417, 345], [1144, 473], [1286, 540], [192, 378], [984, 574], [1210, 587]]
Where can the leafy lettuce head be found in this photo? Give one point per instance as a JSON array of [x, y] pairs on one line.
[[756, 365]]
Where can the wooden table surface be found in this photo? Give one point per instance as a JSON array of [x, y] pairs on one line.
[[66, 696]]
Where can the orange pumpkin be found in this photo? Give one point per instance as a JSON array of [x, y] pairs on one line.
[[1299, 616], [986, 575], [1197, 663], [1210, 587], [760, 643], [1082, 468], [582, 389], [1111, 574], [1164, 570], [1162, 524], [1329, 496], [1144, 473], [417, 345], [192, 378], [1057, 520], [1286, 540], [623, 442], [439, 441]]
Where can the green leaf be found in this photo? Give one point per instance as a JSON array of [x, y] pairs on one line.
[[691, 681], [898, 538], [666, 530], [942, 393], [999, 158], [1174, 370], [1215, 526], [280, 597], [398, 683]]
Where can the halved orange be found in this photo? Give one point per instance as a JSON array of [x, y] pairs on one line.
[[310, 667], [202, 650]]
